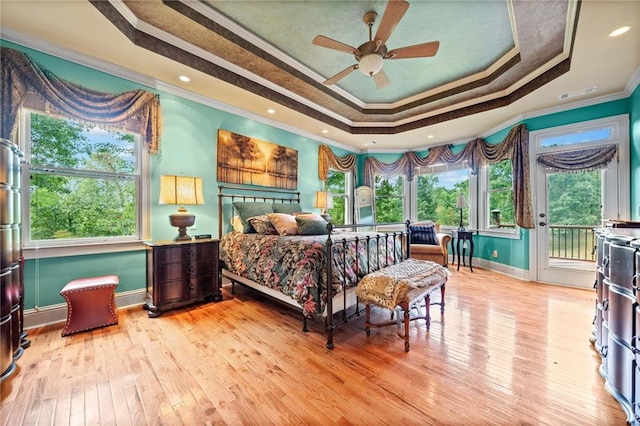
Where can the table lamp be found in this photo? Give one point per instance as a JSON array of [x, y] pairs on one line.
[[461, 203], [181, 190], [324, 201]]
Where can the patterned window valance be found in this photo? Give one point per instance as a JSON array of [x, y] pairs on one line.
[[328, 159], [137, 109], [477, 153], [580, 160]]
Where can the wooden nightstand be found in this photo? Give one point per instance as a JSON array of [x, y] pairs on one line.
[[181, 273]]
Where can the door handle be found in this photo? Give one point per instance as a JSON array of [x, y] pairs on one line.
[[542, 223]]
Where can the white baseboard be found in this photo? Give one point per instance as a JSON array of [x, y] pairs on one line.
[[520, 274], [53, 314]]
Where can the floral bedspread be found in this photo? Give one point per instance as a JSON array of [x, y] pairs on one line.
[[296, 265]]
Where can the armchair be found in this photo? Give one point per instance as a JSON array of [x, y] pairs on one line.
[[438, 252]]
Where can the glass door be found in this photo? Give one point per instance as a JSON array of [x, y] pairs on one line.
[[569, 208]]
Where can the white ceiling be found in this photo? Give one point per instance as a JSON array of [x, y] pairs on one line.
[[81, 31]]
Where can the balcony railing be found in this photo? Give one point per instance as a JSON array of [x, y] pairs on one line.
[[572, 242]]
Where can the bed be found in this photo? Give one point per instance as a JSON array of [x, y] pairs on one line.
[[293, 268]]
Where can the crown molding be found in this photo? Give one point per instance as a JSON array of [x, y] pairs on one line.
[[121, 72]]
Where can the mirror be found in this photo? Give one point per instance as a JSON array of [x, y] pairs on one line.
[[364, 205]]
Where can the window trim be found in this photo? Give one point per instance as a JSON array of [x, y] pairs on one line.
[[483, 213], [71, 247], [407, 206], [348, 194]]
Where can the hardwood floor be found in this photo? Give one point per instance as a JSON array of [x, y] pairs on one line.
[[506, 352]]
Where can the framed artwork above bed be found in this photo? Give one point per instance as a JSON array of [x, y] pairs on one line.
[[249, 161]]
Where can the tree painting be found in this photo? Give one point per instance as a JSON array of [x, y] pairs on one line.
[[245, 160]]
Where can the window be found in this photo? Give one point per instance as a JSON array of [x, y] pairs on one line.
[[389, 194], [499, 210], [339, 185], [84, 183], [437, 192]]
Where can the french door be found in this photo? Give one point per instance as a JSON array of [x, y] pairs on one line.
[[568, 205]]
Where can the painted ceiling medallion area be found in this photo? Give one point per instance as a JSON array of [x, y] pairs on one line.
[[491, 53]]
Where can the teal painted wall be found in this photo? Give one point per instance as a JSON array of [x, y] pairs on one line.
[[188, 146]]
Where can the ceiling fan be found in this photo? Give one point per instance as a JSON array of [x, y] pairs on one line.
[[371, 54]]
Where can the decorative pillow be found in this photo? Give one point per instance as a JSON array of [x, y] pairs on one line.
[[308, 216], [236, 224], [247, 210], [290, 208], [311, 226], [285, 223], [423, 234], [263, 225]]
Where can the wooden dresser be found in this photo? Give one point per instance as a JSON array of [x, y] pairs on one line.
[[180, 273]]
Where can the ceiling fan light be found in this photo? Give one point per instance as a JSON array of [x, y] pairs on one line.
[[370, 64]]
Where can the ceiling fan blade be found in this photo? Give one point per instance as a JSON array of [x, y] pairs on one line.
[[342, 74], [329, 43], [423, 50], [392, 15], [381, 79]]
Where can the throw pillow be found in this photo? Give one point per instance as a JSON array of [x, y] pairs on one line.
[[423, 235], [247, 210], [310, 226], [236, 223], [284, 223], [263, 225], [290, 208]]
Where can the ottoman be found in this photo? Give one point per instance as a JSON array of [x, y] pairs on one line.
[[90, 303]]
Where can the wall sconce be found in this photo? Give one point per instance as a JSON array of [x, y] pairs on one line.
[[181, 190], [324, 201], [461, 203]]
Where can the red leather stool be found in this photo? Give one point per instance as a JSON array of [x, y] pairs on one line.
[[91, 303]]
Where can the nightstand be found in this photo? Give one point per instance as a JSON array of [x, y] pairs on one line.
[[181, 273]]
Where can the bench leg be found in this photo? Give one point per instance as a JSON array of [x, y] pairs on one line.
[[406, 320], [442, 299], [427, 315]]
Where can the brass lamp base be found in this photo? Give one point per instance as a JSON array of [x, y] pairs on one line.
[[182, 220]]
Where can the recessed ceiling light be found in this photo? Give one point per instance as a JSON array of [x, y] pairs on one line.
[[271, 111], [430, 136], [184, 78], [325, 131], [619, 31]]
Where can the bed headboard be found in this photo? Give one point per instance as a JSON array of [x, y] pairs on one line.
[[227, 194]]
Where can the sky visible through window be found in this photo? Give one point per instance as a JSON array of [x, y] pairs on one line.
[[577, 138]]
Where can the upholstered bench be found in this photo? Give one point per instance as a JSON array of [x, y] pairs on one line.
[[403, 285], [90, 303]]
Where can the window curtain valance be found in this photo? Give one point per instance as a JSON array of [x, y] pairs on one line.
[[138, 110], [328, 159], [477, 153], [581, 160]]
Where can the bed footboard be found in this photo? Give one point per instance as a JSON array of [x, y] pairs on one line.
[[372, 252]]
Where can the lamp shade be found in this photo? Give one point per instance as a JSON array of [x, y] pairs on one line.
[[370, 64], [461, 202], [180, 190], [324, 200]]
